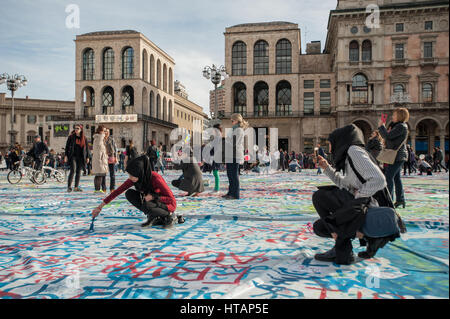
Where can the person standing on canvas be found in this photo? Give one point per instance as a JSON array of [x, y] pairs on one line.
[[111, 150], [100, 159], [394, 137], [77, 155], [235, 145]]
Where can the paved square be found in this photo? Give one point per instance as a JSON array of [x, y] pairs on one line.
[[258, 247]]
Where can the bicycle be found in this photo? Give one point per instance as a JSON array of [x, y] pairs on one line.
[[16, 175], [46, 172]]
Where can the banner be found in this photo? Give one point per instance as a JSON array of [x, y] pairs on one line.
[[116, 118], [61, 130]]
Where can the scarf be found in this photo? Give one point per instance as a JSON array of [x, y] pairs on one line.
[[341, 139]]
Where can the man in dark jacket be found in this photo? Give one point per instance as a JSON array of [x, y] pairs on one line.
[[282, 167], [37, 151], [152, 153], [320, 152]]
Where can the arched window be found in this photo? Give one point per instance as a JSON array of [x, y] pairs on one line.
[[366, 50], [88, 97], [127, 100], [284, 56], [427, 93], [127, 63], [108, 64], [144, 66], [152, 70], [170, 81], [261, 99], [261, 58], [239, 58], [354, 51], [164, 78], [164, 115], [360, 89], [284, 100], [88, 64], [399, 89], [158, 74], [240, 98], [152, 104], [108, 100], [170, 110], [158, 107]]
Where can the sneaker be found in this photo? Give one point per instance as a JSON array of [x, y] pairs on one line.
[[69, 189], [150, 221], [328, 256], [230, 197], [77, 189], [350, 260]]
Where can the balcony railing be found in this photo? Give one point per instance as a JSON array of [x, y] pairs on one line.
[[399, 63], [129, 109], [272, 114], [428, 61]]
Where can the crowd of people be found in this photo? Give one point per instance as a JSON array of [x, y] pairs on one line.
[[366, 177]]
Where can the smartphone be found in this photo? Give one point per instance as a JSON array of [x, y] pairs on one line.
[[384, 118]]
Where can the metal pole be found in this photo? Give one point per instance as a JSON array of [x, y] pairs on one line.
[[215, 101], [12, 119]]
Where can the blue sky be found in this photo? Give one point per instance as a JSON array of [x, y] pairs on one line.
[[35, 41]]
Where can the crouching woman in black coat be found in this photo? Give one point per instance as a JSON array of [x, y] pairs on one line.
[[342, 207]]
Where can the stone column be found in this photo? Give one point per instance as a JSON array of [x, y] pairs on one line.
[[412, 135], [442, 141]]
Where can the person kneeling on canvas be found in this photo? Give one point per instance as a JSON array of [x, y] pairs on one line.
[[191, 181], [341, 207], [151, 195]]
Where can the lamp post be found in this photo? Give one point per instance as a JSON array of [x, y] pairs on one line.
[[215, 74], [13, 83]]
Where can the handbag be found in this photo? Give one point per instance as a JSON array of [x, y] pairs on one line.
[[388, 155]]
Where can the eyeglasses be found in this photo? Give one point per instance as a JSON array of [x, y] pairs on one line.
[[77, 129]]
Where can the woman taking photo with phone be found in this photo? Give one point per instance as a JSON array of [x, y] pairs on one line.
[[395, 137]]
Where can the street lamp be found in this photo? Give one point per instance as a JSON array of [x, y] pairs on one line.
[[215, 74], [13, 83]]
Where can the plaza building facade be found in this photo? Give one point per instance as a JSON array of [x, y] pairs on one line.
[[270, 85], [33, 117], [126, 82], [400, 61], [362, 72]]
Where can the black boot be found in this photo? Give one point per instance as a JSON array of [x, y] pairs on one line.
[[151, 220], [328, 256], [372, 247]]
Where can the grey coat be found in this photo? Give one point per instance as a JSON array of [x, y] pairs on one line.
[[394, 138], [192, 181]]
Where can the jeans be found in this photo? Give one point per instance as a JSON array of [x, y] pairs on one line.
[[393, 176], [112, 176], [75, 168], [233, 178], [151, 209]]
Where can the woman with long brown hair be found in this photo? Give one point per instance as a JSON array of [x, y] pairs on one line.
[[99, 159], [77, 155], [395, 137]]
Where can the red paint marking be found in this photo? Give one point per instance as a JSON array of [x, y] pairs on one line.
[[323, 291], [9, 294]]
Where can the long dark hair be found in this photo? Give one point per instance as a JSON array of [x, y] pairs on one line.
[[81, 140]]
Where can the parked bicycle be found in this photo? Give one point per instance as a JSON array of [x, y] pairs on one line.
[[16, 175], [47, 172]]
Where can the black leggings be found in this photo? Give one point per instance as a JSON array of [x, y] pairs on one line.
[[75, 168], [151, 209], [326, 202]]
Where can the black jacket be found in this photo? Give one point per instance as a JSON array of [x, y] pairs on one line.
[[37, 150], [374, 147], [70, 149]]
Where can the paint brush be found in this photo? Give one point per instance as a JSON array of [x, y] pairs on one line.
[[92, 225]]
